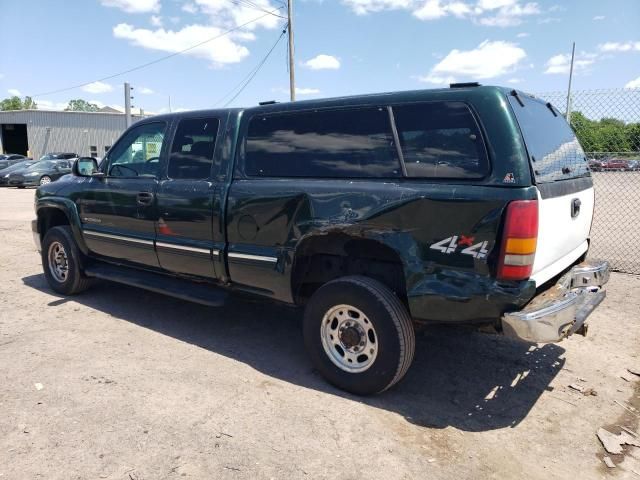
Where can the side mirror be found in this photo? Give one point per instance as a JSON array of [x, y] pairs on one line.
[[85, 167]]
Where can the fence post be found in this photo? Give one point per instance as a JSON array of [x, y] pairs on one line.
[[568, 114]]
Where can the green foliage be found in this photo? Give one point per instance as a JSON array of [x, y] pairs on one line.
[[79, 105], [15, 103], [606, 134]]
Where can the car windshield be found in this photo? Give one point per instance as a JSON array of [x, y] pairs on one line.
[[3, 157], [42, 165]]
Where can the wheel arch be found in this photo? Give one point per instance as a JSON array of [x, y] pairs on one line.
[[325, 256], [53, 212]]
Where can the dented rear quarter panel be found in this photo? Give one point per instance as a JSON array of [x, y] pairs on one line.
[[274, 216]]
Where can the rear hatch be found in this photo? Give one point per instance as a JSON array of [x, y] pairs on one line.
[[565, 189]]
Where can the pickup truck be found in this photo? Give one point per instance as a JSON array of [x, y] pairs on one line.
[[470, 204]]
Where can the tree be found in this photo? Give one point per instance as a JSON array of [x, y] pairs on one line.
[[79, 105], [606, 135], [15, 103]]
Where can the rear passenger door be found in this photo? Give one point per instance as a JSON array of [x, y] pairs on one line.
[[189, 199]]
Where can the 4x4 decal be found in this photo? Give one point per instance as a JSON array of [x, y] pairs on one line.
[[450, 245]]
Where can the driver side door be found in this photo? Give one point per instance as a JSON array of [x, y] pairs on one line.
[[119, 210]]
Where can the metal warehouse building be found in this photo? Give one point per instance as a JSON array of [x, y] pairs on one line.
[[37, 132]]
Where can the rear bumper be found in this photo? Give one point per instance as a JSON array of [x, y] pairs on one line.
[[562, 310]]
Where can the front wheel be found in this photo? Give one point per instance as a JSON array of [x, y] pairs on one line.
[[61, 261], [359, 335], [44, 180]]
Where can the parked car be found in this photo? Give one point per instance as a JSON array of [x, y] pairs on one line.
[[614, 164], [6, 160], [633, 165], [373, 212], [59, 156], [4, 173], [40, 173], [595, 165]]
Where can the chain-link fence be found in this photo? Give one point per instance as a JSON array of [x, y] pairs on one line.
[[607, 123]]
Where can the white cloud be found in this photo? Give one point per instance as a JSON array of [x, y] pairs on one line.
[[597, 18], [488, 60], [189, 8], [14, 92], [223, 50], [522, 35], [156, 20], [514, 80], [97, 87], [561, 63], [145, 91], [619, 47], [1, 76], [499, 13], [322, 62], [133, 6], [307, 91], [633, 83], [510, 15]]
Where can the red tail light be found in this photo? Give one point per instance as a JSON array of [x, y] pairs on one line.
[[519, 240]]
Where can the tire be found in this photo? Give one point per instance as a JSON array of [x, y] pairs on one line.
[[20, 186], [359, 335], [45, 179], [62, 262]]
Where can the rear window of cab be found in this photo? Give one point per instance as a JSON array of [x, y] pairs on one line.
[[436, 140]]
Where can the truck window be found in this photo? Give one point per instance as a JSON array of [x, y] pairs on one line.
[[138, 151], [554, 151], [440, 140], [192, 149], [342, 143]]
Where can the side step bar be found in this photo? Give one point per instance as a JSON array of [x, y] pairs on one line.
[[202, 293]]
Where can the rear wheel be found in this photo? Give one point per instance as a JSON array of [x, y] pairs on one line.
[[61, 261], [359, 335], [44, 180]]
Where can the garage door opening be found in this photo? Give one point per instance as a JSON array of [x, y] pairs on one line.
[[14, 138]]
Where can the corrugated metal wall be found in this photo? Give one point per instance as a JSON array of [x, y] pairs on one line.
[[51, 131]]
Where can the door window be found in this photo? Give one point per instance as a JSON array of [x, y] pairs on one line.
[[192, 149], [137, 154], [344, 143]]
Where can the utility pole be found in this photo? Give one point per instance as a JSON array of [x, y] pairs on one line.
[[292, 73], [127, 104], [568, 115]]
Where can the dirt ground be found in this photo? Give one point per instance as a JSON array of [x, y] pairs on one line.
[[119, 383]]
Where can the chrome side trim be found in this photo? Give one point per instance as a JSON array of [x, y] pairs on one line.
[[117, 237], [257, 258], [185, 248]]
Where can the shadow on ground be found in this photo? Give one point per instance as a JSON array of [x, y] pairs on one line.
[[463, 379]]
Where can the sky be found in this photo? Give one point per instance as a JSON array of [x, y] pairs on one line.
[[342, 47]]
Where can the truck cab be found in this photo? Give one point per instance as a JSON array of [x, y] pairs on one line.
[[462, 205]]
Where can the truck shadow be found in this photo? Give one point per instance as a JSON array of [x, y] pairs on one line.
[[467, 380]]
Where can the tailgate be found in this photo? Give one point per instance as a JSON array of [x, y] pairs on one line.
[[565, 188], [564, 221]]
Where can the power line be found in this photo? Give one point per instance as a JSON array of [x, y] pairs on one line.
[[248, 4], [158, 60], [252, 73]]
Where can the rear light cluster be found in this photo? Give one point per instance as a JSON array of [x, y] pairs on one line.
[[519, 240]]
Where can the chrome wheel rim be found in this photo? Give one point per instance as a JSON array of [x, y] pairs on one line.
[[349, 338], [45, 180], [58, 262]]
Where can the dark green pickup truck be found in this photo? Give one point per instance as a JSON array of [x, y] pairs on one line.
[[462, 205]]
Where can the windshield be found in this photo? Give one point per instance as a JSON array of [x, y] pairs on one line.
[[2, 157], [42, 165], [17, 166]]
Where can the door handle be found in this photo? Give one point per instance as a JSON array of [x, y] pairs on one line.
[[144, 198], [575, 207]]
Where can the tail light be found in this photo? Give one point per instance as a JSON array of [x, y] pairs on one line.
[[519, 240]]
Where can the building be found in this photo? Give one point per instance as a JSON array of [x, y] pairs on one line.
[[37, 132]]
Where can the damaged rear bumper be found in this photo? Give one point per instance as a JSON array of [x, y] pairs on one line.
[[562, 310]]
